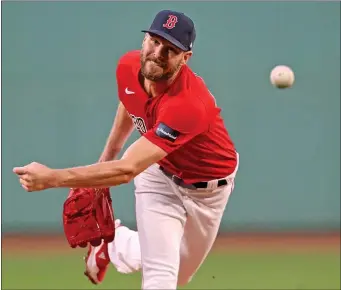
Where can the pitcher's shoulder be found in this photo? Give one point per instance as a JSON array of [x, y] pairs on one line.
[[129, 58]]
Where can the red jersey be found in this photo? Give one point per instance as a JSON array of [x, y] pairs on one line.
[[184, 121]]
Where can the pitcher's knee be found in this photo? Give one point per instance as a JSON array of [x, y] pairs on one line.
[[159, 278], [184, 279]]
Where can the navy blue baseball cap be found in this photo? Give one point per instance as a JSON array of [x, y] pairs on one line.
[[175, 27]]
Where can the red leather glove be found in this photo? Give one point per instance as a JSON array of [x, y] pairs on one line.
[[88, 217]]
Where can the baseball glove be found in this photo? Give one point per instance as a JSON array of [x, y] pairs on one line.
[[88, 217]]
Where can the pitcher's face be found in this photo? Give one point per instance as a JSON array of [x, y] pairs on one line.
[[160, 59]]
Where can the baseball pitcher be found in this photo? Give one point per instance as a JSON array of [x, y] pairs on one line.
[[183, 167]]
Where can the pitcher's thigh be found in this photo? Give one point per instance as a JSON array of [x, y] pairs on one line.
[[202, 225], [160, 222]]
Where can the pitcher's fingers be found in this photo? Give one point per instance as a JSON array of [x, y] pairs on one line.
[[24, 182], [20, 170]]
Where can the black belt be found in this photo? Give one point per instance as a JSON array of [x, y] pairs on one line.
[[178, 181]]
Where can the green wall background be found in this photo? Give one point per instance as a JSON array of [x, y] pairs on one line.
[[59, 100]]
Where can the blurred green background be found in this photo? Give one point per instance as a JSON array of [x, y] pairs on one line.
[[227, 271], [59, 100]]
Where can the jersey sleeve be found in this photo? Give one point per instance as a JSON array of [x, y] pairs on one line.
[[178, 124]]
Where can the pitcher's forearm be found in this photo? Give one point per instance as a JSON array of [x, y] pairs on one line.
[[139, 156], [103, 174], [97, 183]]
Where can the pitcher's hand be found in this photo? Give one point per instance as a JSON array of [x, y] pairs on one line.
[[36, 176]]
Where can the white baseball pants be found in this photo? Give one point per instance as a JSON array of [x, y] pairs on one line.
[[176, 230]]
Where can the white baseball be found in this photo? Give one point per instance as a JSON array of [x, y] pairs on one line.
[[282, 76]]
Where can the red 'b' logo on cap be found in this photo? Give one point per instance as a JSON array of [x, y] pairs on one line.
[[171, 21]]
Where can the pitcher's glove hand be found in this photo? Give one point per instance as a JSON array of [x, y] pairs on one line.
[[88, 217]]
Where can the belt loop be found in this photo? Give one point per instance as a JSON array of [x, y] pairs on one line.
[[213, 184], [174, 179]]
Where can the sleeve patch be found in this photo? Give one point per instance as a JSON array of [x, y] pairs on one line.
[[165, 132]]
